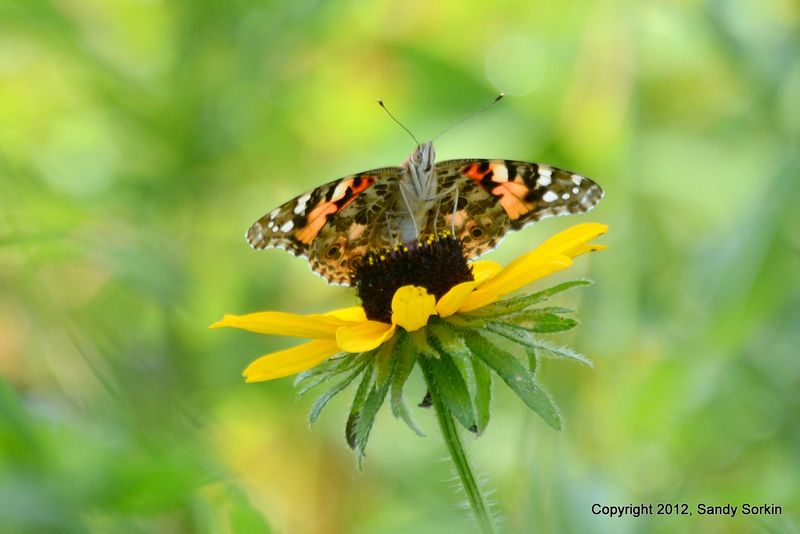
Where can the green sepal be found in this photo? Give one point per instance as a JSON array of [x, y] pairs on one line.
[[384, 362], [513, 373], [452, 389], [463, 320], [540, 321], [533, 361], [405, 357], [333, 366], [473, 371], [358, 403], [504, 307], [419, 342], [448, 338], [369, 399], [482, 396], [527, 339], [366, 418], [323, 399]]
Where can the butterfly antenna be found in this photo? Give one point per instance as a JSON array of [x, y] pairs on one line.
[[471, 115], [381, 104]]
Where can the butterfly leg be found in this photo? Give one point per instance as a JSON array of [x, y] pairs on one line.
[[455, 209]]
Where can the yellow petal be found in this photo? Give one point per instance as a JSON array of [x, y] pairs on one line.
[[513, 279], [451, 300], [283, 324], [553, 255], [290, 361], [411, 307], [364, 336], [571, 241], [355, 314], [484, 269]]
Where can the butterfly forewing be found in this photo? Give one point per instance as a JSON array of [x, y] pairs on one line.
[[332, 225], [484, 199]]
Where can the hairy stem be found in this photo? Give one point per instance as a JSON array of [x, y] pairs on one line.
[[453, 441]]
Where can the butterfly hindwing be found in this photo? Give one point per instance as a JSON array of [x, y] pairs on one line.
[[496, 196]]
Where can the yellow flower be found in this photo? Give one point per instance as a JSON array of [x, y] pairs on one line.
[[349, 330]]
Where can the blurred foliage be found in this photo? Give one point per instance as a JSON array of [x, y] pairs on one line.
[[140, 138]]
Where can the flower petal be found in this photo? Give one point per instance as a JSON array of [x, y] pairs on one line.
[[411, 307], [484, 270], [451, 300], [571, 242], [284, 324], [355, 314], [364, 336], [553, 255], [290, 361], [511, 280]]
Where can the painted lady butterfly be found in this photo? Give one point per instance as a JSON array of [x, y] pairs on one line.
[[481, 200]]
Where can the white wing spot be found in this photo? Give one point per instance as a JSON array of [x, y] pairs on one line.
[[274, 213], [301, 204], [549, 196], [288, 225], [577, 179], [544, 180], [575, 190], [499, 173], [565, 196]]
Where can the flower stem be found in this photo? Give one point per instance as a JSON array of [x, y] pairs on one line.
[[453, 441]]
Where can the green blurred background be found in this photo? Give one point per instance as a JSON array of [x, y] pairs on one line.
[[140, 138]]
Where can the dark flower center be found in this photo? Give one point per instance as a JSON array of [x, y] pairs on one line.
[[436, 263]]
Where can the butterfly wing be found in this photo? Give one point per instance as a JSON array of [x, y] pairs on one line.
[[332, 225], [483, 199]]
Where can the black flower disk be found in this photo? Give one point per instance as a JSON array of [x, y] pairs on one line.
[[436, 263]]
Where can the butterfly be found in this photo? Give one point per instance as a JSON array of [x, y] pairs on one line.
[[479, 200]]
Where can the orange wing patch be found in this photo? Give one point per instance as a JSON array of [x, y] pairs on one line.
[[343, 194], [511, 195], [494, 178]]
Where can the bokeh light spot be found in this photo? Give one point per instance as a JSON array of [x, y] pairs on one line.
[[515, 65]]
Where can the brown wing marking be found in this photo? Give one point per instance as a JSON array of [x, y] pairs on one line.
[[498, 196]]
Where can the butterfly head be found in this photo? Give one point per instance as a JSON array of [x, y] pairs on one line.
[[423, 158]]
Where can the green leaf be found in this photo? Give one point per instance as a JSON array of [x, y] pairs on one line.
[[331, 367], [452, 389], [539, 321], [323, 399], [358, 403], [366, 418], [515, 375], [526, 338], [448, 338], [482, 397], [507, 306], [405, 357], [384, 361], [473, 371], [463, 320], [419, 342], [533, 362]]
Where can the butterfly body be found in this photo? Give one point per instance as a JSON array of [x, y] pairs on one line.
[[417, 192], [480, 200]]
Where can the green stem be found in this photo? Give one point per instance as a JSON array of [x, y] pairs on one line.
[[453, 441]]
